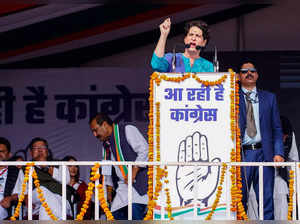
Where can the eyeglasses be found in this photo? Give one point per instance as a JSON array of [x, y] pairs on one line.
[[245, 70], [39, 147]]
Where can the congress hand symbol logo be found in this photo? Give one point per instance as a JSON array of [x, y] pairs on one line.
[[195, 149]]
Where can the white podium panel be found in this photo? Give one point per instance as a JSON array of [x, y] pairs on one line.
[[194, 125]]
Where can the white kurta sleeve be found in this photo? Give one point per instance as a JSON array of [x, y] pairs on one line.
[[57, 174], [18, 186], [138, 143], [293, 155]]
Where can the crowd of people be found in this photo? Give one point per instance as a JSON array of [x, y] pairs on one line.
[[262, 139]]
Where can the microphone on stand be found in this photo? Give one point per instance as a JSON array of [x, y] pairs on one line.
[[215, 61], [198, 47], [174, 59], [173, 62]]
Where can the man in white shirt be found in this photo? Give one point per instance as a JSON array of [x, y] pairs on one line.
[[10, 181], [123, 143], [50, 180]]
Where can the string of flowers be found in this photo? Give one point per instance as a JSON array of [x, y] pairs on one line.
[[233, 188], [159, 170], [209, 83], [157, 124], [167, 190], [160, 173], [233, 125], [172, 79], [22, 195], [89, 192], [103, 202], [291, 194], [241, 214], [219, 193], [150, 173], [232, 105], [41, 196], [158, 78]]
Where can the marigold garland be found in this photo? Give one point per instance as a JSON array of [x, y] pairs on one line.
[[233, 124], [103, 203], [159, 170], [151, 205], [171, 79], [233, 189], [232, 106], [167, 190], [41, 196], [158, 78], [219, 193], [22, 195], [89, 192], [210, 83], [291, 194], [236, 189]]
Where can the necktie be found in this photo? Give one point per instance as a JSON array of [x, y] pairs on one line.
[[251, 127], [106, 146]]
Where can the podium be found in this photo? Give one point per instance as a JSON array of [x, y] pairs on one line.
[[192, 119]]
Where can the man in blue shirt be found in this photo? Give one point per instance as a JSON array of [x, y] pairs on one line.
[[196, 38], [261, 136]]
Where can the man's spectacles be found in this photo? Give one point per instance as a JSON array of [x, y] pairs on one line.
[[245, 70], [39, 147]]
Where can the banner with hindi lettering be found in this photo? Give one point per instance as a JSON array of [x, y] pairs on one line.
[[56, 104], [192, 117]]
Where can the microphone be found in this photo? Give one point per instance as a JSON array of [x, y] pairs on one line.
[[173, 62], [198, 47], [216, 62], [174, 59]]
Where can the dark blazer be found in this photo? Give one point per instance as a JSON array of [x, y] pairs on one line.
[[269, 122], [12, 176]]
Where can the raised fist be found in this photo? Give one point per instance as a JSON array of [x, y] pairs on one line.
[[165, 27], [195, 149]]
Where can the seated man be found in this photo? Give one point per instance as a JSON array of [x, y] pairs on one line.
[[10, 181], [50, 180]]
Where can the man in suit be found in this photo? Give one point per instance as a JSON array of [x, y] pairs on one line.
[[261, 136]]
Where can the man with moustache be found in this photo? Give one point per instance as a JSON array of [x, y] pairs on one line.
[[261, 136], [123, 143], [50, 180], [11, 180]]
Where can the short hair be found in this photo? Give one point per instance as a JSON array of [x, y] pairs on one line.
[[68, 158], [16, 157], [201, 25], [38, 139], [100, 118], [246, 61], [4, 141]]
